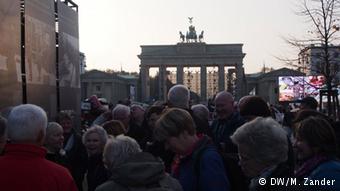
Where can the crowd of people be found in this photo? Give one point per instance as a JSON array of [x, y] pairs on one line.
[[173, 145]]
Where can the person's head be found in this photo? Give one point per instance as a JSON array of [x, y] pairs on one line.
[[122, 113], [309, 103], [94, 140], [152, 115], [65, 120], [54, 137], [95, 103], [200, 114], [118, 149], [3, 133], [114, 128], [27, 124], [224, 104], [179, 96], [314, 136], [305, 113], [262, 143], [176, 129], [137, 113], [200, 111], [253, 106]]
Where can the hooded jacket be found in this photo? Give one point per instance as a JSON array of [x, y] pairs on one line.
[[141, 171]]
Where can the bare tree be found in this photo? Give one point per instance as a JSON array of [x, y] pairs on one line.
[[323, 15]]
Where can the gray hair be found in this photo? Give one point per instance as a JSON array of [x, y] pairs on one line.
[[200, 111], [118, 149], [266, 140], [121, 109], [99, 131], [179, 96], [51, 126], [25, 122]]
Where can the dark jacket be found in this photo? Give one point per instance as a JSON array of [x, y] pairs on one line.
[[208, 175], [272, 176], [58, 158], [141, 171], [77, 159], [223, 129], [327, 171], [96, 172], [157, 149]]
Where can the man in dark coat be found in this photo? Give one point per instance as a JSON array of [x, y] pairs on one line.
[[228, 120]]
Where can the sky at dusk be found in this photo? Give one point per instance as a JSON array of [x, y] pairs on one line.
[[111, 31]]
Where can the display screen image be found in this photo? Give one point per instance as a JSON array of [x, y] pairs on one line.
[[293, 88]]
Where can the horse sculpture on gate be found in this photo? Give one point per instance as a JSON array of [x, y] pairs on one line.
[[191, 35], [200, 37], [181, 36]]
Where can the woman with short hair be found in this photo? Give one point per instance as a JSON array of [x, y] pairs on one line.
[[74, 148], [54, 141], [94, 140], [263, 149], [197, 165], [316, 148]]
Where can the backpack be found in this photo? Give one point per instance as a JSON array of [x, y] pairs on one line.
[[237, 180]]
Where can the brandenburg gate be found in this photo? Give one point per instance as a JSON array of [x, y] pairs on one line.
[[191, 52]]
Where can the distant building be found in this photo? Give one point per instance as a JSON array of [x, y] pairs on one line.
[[113, 86], [265, 85], [312, 62]]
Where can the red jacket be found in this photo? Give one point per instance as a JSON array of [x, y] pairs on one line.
[[23, 167]]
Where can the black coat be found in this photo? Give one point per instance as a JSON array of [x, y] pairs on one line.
[[96, 172], [77, 160]]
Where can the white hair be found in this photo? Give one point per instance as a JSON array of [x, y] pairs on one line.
[[51, 127], [118, 149], [179, 96], [201, 111], [99, 131], [266, 140], [121, 109], [25, 122]]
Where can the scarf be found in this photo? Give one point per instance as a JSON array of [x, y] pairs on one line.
[[178, 158], [309, 165]]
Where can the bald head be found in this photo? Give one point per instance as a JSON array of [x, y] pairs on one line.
[[224, 104], [224, 95]]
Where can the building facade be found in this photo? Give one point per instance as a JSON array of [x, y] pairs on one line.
[[266, 85], [311, 60], [192, 52], [111, 86]]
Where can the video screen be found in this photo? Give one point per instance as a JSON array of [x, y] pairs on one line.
[[292, 88]]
